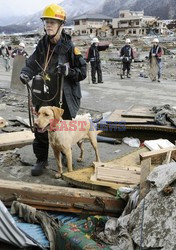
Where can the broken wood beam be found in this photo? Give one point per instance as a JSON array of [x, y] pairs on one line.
[[157, 156], [15, 139], [57, 198], [144, 184], [117, 175]]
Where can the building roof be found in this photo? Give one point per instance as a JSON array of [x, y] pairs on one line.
[[93, 17], [133, 18], [128, 18]]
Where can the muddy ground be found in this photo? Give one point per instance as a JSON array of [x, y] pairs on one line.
[[97, 99]]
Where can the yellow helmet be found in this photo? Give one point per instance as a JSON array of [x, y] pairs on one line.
[[54, 11]]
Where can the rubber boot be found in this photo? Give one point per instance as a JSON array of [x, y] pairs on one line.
[[38, 168], [128, 75], [123, 75]]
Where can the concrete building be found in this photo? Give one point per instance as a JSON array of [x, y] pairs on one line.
[[96, 24], [134, 23]]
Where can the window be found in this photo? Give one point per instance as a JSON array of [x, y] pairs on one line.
[[122, 15], [134, 31], [137, 22], [83, 31], [83, 22], [77, 22]]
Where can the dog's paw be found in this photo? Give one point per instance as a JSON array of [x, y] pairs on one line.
[[58, 175], [79, 160]]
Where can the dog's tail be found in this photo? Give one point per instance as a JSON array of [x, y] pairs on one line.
[[99, 132]]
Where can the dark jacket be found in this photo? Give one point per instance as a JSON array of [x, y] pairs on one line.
[[157, 50], [64, 52], [127, 52], [20, 52], [93, 54]]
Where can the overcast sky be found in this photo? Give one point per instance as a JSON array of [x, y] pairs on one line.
[[22, 7]]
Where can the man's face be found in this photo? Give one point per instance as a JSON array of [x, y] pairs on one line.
[[51, 26]]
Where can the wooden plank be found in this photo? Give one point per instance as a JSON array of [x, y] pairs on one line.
[[116, 116], [115, 165], [117, 175], [138, 111], [85, 177], [15, 139], [168, 157], [158, 156], [55, 198], [145, 171]]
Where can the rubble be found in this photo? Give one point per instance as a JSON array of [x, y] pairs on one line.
[[151, 225], [149, 218]]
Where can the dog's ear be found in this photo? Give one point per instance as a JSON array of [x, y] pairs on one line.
[[58, 112]]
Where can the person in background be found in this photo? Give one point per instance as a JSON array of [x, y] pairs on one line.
[[19, 51], [127, 57], [156, 52], [54, 59], [5, 54], [93, 56]]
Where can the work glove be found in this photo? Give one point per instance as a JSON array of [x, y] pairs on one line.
[[63, 69], [24, 78]]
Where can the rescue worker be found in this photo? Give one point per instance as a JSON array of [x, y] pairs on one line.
[[156, 51], [19, 51], [127, 57], [54, 57], [5, 54], [94, 58]]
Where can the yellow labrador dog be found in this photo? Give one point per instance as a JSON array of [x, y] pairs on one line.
[[63, 134]]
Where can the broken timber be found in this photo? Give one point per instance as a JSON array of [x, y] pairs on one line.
[[117, 175], [158, 156], [46, 197], [15, 139], [85, 178], [154, 157], [136, 122]]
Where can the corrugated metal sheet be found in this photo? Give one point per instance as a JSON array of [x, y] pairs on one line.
[[64, 218], [9, 231], [36, 232]]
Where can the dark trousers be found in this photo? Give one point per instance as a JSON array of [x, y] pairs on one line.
[[41, 142], [96, 67], [126, 66]]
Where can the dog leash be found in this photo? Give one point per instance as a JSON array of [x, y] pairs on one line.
[[60, 84], [30, 109], [61, 78]]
